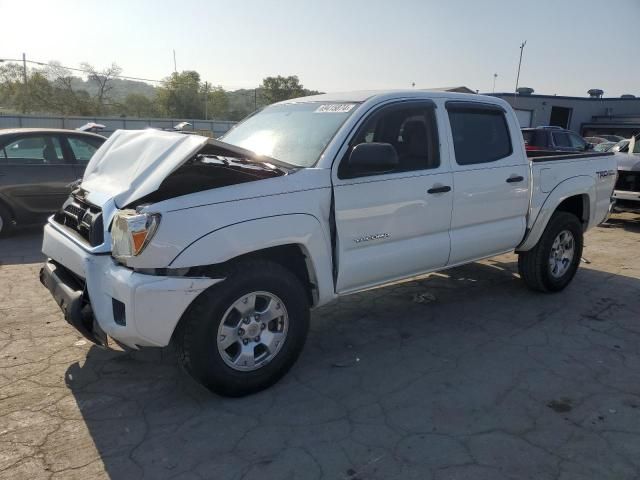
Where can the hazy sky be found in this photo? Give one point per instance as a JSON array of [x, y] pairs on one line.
[[572, 45]]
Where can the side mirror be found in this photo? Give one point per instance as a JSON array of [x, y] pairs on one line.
[[373, 158], [589, 146]]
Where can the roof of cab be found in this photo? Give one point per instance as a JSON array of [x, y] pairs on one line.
[[364, 95]]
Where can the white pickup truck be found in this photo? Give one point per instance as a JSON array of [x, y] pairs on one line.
[[223, 246]]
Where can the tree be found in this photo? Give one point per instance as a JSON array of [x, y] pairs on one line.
[[103, 81], [139, 105], [276, 89], [217, 103], [180, 95], [12, 90], [62, 97]]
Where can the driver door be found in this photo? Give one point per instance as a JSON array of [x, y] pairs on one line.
[[394, 224]]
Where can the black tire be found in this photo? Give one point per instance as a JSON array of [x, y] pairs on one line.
[[6, 221], [196, 335], [533, 265]]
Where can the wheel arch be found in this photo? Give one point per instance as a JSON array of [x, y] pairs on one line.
[[574, 195], [295, 241]]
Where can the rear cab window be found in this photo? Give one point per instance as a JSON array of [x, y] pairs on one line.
[[480, 132], [577, 142], [561, 139]]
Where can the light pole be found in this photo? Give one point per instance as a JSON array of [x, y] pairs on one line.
[[26, 86], [519, 64], [495, 76], [206, 100]]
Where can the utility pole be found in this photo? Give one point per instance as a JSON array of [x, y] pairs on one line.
[[26, 85], [175, 68], [519, 64], [495, 76], [206, 100]]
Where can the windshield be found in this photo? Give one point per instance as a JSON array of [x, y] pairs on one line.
[[294, 133]]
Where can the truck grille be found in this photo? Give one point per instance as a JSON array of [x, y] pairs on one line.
[[628, 181], [83, 219]]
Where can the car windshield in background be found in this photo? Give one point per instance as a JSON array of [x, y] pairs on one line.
[[294, 133], [603, 147]]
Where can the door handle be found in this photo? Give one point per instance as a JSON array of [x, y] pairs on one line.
[[516, 179], [443, 189]]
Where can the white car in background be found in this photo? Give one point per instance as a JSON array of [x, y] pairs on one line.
[[626, 194]]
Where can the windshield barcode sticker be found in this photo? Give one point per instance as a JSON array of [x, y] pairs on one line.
[[335, 108]]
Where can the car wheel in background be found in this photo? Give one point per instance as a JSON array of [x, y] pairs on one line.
[[6, 221]]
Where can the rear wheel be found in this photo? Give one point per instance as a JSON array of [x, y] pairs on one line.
[[244, 334], [552, 263]]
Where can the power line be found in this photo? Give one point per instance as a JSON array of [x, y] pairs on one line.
[[123, 77]]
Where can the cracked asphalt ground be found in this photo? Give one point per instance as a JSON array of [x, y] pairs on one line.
[[461, 375]]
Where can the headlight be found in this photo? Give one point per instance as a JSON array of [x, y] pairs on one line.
[[131, 232]]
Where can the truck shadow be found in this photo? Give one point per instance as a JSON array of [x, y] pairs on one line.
[[448, 352], [626, 221], [22, 246]]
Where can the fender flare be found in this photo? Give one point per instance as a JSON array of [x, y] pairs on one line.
[[574, 186], [232, 241]]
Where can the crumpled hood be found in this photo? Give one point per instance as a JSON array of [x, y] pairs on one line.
[[133, 163]]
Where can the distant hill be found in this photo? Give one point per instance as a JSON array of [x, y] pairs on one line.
[[121, 88]]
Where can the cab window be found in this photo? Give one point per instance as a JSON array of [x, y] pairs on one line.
[[561, 139], [577, 142], [410, 129], [480, 135]]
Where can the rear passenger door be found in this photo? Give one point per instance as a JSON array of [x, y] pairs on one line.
[[35, 175], [491, 182]]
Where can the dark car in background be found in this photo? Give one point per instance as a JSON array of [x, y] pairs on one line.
[[37, 169], [554, 139]]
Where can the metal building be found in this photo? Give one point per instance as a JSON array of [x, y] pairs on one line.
[[588, 116]]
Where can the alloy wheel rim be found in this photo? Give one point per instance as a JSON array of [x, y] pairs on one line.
[[252, 331], [562, 253]]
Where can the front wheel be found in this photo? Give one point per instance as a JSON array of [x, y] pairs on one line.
[[553, 262], [244, 334]]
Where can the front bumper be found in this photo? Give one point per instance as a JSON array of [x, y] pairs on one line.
[[103, 299], [69, 294]]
